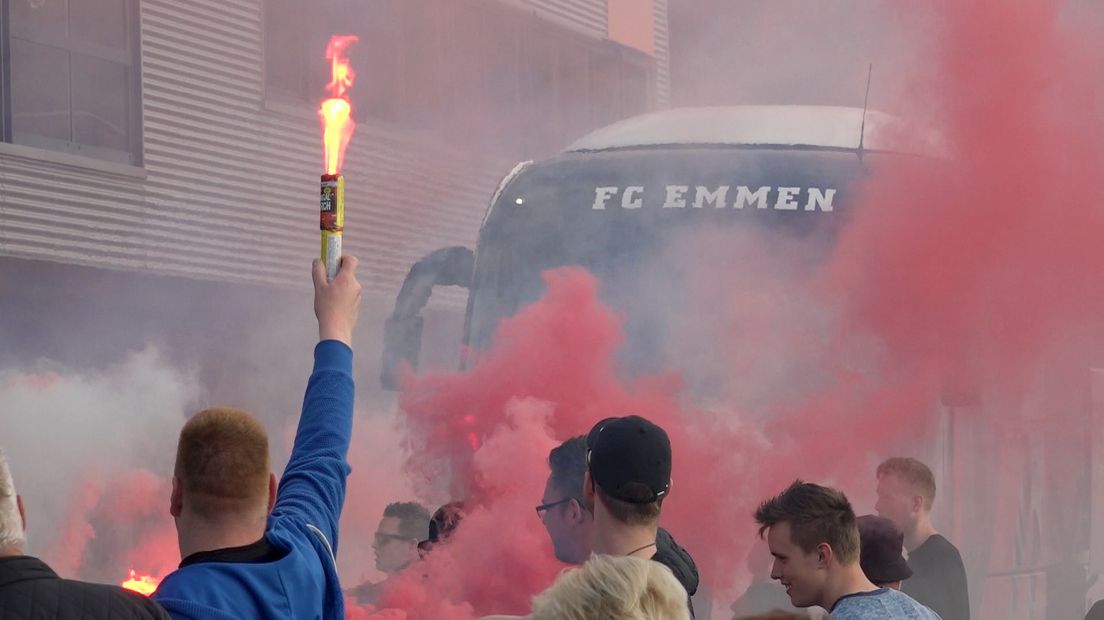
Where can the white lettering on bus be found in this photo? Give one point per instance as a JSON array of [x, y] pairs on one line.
[[676, 197], [702, 195], [627, 200], [821, 199], [745, 196], [602, 195], [786, 200]]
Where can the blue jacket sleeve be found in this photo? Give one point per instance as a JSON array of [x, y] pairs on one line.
[[313, 484]]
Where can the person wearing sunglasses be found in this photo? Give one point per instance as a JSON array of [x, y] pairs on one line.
[[395, 544], [403, 525], [563, 511]]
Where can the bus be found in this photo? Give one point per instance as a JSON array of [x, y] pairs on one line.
[[621, 199]]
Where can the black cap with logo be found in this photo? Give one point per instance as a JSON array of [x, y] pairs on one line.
[[630, 459]]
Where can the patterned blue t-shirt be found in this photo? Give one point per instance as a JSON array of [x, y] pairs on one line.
[[880, 604]]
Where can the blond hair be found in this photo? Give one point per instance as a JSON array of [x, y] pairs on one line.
[[914, 473], [222, 463], [614, 588], [11, 523]]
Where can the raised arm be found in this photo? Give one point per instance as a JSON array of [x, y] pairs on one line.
[[313, 484]]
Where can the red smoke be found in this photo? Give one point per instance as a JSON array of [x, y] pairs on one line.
[[995, 252], [551, 374], [117, 522], [968, 279], [980, 276]]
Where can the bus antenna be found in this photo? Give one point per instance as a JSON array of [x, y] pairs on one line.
[[866, 100]]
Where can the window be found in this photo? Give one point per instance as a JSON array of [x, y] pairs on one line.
[[70, 77], [471, 73]]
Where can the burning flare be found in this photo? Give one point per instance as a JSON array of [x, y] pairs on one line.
[[144, 585], [336, 111]]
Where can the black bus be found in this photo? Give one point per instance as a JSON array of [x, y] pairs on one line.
[[618, 200]]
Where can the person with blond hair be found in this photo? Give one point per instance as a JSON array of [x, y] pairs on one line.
[[250, 548], [30, 590], [611, 587], [906, 492]]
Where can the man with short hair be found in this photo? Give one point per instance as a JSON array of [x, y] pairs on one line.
[[881, 545], [563, 510], [30, 590], [627, 479], [396, 545], [251, 549], [906, 491], [403, 526], [811, 533]]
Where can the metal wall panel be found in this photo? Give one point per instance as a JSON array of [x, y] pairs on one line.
[[587, 16], [228, 189], [662, 53]]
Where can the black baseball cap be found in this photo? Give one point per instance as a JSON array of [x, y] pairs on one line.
[[880, 545], [630, 459]]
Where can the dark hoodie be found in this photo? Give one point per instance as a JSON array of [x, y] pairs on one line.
[[674, 557]]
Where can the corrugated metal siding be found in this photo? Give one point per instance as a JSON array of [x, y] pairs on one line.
[[202, 86], [214, 154], [592, 18], [230, 190], [55, 212], [662, 54], [589, 16]]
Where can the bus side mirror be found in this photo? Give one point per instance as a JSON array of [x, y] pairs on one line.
[[402, 342], [402, 333]]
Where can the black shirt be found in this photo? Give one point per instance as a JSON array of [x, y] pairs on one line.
[[670, 554], [939, 579], [259, 552]]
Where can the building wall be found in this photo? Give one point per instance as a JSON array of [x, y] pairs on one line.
[[662, 53], [228, 187], [588, 16]]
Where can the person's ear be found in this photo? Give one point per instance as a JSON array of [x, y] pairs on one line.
[[588, 488], [575, 511], [22, 511], [176, 500], [824, 555], [271, 491], [917, 503]]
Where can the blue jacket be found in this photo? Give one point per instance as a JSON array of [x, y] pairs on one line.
[[302, 527]]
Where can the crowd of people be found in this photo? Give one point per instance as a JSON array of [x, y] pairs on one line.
[[255, 547]]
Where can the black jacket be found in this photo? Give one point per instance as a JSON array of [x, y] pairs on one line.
[[29, 590], [674, 557]]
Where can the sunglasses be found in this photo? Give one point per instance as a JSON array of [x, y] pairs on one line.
[[382, 538], [543, 507]]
